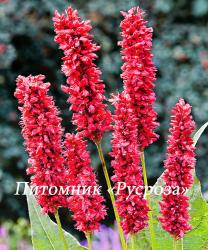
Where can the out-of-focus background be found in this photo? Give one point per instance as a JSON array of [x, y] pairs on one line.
[[180, 47]]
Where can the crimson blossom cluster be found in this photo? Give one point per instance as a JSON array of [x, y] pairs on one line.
[[135, 117], [81, 174], [51, 164], [84, 85], [58, 159], [41, 129], [179, 165], [127, 167], [139, 73]]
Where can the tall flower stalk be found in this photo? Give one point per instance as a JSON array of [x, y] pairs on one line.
[[139, 76], [133, 208], [139, 73], [84, 85], [179, 163], [42, 132], [86, 205]]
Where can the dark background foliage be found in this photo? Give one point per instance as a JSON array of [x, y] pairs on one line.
[[180, 46]]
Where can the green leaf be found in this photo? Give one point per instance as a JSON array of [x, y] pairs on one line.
[[45, 233], [199, 133]]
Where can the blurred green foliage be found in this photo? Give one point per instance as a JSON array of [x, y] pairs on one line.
[[180, 47], [15, 236]]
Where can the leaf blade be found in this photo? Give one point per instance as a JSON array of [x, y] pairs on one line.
[[44, 230], [199, 133]]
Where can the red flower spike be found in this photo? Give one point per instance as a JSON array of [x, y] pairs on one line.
[[125, 151], [87, 209], [42, 132], [139, 73], [84, 85], [179, 164]]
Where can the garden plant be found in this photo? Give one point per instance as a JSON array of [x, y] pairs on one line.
[[172, 214]]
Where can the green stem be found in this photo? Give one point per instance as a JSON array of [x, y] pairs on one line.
[[88, 236], [61, 230], [100, 151], [174, 244], [151, 226], [132, 242], [181, 243]]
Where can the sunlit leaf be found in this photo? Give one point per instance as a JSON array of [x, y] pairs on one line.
[[45, 234], [199, 133]]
